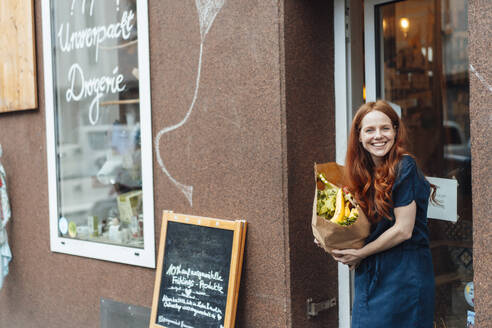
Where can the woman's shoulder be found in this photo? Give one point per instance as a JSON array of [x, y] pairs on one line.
[[406, 168], [407, 162]]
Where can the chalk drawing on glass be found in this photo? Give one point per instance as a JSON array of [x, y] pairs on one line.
[[83, 84], [83, 7], [207, 11]]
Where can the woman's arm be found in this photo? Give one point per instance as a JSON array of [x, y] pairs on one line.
[[398, 233]]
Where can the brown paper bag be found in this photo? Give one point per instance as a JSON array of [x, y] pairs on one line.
[[331, 235]]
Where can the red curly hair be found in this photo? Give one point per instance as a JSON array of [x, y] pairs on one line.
[[372, 185]]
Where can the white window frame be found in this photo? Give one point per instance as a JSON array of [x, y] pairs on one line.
[[370, 47], [347, 80], [348, 95], [342, 124], [135, 256]]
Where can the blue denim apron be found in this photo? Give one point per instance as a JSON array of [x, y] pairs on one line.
[[395, 288]]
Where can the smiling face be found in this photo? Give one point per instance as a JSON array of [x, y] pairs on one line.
[[377, 135]]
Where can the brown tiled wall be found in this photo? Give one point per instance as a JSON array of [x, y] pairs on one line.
[[480, 46], [230, 150], [310, 117]]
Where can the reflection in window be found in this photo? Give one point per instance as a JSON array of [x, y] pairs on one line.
[[97, 117], [423, 69]]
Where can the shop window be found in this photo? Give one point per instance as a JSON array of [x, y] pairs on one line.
[[422, 61], [98, 125]]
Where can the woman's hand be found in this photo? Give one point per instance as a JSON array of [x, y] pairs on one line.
[[350, 257]]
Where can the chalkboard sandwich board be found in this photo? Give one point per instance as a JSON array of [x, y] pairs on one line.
[[198, 272]]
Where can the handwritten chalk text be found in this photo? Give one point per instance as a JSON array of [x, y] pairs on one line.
[[178, 270], [81, 88], [94, 36]]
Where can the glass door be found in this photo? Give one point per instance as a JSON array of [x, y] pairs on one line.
[[416, 58]]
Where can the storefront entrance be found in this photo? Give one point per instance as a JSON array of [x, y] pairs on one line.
[[415, 56]]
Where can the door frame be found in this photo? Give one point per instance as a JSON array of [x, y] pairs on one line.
[[370, 47], [342, 124], [349, 76]]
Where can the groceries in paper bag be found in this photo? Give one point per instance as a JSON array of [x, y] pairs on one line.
[[337, 222], [336, 204]]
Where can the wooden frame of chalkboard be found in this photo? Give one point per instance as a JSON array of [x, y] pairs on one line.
[[198, 272]]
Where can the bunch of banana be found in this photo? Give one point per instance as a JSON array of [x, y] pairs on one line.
[[336, 204]]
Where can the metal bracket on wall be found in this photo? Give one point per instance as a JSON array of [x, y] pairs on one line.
[[314, 308]]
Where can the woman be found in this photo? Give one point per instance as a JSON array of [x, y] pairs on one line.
[[394, 279]]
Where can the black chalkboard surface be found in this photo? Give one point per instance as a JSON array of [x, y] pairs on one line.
[[198, 272]]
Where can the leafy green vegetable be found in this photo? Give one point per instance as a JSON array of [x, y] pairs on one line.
[[326, 202], [348, 220]]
